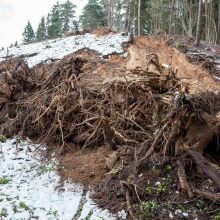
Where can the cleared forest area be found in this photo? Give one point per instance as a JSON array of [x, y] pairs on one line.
[[140, 127]]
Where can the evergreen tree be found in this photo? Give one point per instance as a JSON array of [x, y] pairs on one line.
[[67, 16], [41, 34], [15, 44], [3, 48], [93, 15], [11, 45], [76, 26], [54, 22], [28, 34]]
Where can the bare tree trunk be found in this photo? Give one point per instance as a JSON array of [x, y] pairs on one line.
[[171, 16], [199, 21], [127, 19], [139, 17], [218, 37]]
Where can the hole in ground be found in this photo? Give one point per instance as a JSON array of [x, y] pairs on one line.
[[212, 151]]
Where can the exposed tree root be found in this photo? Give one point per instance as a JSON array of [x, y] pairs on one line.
[[150, 113], [206, 166], [128, 199], [182, 178], [208, 195]]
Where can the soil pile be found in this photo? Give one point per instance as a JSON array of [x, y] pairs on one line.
[[154, 110]]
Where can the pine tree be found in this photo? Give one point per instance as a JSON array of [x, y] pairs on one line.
[[54, 22], [76, 26], [28, 34], [11, 45], [41, 34], [3, 48], [15, 44], [67, 16], [93, 15]]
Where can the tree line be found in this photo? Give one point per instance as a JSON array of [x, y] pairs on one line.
[[59, 21], [193, 18], [198, 19]]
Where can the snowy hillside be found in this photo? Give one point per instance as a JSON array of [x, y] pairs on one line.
[[58, 48]]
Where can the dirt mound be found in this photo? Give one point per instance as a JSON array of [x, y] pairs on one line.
[[103, 31], [194, 75], [147, 109]]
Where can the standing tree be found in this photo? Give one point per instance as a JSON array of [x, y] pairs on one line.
[[139, 17], [93, 15], [76, 26], [41, 34], [218, 36], [28, 34], [68, 16], [54, 22], [199, 23], [15, 44]]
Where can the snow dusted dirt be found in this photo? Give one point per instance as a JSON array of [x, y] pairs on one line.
[[30, 189], [56, 49]]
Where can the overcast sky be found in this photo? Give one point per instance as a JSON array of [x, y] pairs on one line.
[[14, 15]]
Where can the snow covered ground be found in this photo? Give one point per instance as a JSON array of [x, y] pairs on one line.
[[30, 189], [56, 49]]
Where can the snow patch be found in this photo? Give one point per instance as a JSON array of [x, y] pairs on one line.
[[30, 189], [56, 49]]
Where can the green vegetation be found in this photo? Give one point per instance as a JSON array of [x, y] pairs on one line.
[[22, 205], [93, 15], [161, 188], [88, 217], [3, 212], [2, 138], [217, 216], [148, 209], [28, 34], [44, 170], [4, 180], [149, 188], [60, 21], [201, 205], [156, 171]]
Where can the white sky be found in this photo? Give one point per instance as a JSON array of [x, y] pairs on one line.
[[14, 15]]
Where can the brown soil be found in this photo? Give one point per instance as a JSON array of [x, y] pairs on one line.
[[197, 78], [87, 168], [103, 31]]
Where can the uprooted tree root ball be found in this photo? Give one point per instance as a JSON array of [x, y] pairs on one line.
[[148, 118]]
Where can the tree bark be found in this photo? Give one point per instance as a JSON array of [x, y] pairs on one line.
[[199, 22], [218, 36], [139, 17], [127, 17]]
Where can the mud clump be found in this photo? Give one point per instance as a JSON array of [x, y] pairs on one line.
[[103, 31], [146, 115]]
